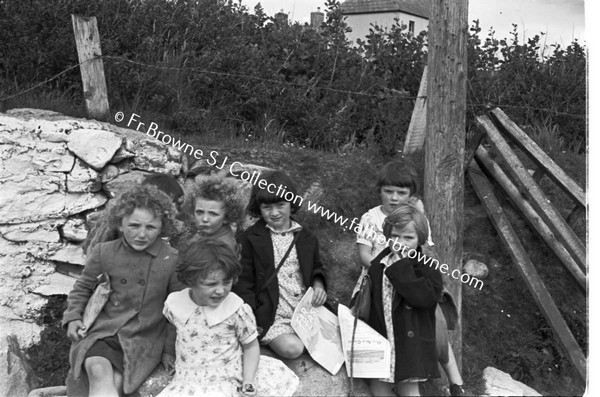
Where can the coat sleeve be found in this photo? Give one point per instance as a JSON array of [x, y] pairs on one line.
[[245, 286], [319, 270], [83, 288], [422, 288]]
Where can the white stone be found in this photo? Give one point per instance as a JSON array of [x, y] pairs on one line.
[[46, 231], [16, 376], [75, 230], [56, 284], [124, 181], [475, 268], [70, 254], [95, 147], [109, 173], [154, 156], [498, 383], [83, 179]]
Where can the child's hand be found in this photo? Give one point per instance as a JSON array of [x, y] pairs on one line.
[[75, 330], [320, 296], [168, 362]]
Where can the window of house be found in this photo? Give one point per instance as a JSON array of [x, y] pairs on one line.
[[411, 26]]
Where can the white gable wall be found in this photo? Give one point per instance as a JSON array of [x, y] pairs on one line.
[[361, 23]]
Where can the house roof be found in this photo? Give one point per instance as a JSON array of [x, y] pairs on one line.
[[420, 8]]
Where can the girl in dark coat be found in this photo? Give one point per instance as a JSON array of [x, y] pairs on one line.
[[273, 295], [404, 298]]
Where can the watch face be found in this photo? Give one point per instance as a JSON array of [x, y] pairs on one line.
[[249, 387]]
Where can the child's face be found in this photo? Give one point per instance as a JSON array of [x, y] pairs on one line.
[[209, 215], [277, 215], [211, 290], [405, 237], [141, 228], [392, 196]]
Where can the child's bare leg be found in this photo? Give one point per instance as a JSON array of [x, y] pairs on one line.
[[118, 379], [287, 346], [379, 388], [408, 388], [451, 368], [101, 377]]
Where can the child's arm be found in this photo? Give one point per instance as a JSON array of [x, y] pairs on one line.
[[250, 363], [365, 254], [245, 285], [80, 295], [422, 291]]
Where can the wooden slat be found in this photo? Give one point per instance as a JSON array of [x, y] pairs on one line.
[[527, 270], [536, 196], [492, 168], [416, 129], [554, 172]]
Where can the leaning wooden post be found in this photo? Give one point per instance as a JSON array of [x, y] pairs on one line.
[[87, 39], [445, 141]]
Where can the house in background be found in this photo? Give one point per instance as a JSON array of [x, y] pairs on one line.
[[360, 14]]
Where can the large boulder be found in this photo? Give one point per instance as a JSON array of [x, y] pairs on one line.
[[498, 383]]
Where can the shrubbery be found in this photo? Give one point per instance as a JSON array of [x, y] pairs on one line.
[[211, 64]]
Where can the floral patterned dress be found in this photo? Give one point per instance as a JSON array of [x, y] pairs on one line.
[[209, 350]]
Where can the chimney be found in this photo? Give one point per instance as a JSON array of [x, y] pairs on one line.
[[281, 18], [316, 19]]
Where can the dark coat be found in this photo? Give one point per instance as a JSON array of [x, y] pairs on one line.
[[418, 287], [258, 264], [140, 283]]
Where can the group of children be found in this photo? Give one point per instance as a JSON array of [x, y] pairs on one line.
[[204, 308]]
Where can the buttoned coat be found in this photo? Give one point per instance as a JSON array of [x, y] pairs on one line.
[[417, 289], [140, 283], [258, 264]]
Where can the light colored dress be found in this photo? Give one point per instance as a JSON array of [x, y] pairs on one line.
[[209, 350], [291, 286]]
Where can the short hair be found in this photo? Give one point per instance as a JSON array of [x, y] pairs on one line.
[[166, 183], [145, 197], [216, 188], [402, 216], [204, 256], [263, 196], [400, 173]]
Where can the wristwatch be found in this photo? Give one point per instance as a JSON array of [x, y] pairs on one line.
[[248, 388]]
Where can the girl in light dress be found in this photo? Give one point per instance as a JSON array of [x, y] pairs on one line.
[[217, 348]]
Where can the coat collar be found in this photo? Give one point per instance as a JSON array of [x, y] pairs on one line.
[[183, 307], [152, 250]]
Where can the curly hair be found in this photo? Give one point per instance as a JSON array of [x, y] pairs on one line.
[[403, 215], [202, 257], [146, 197], [264, 196], [215, 188], [400, 173]]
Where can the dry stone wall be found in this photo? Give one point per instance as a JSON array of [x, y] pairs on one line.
[[55, 172]]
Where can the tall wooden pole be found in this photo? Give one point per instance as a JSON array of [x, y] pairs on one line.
[[445, 141]]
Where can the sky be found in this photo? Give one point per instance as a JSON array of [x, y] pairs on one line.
[[561, 20]]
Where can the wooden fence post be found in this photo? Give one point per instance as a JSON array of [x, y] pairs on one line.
[[87, 39], [445, 143]]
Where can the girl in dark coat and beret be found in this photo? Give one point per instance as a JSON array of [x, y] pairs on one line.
[[404, 298]]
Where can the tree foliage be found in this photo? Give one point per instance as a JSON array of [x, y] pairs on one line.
[[214, 64]]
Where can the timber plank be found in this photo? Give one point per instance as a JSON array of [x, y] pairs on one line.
[[536, 196], [554, 172], [492, 168], [527, 269]]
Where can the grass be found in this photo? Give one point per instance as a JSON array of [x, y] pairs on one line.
[[502, 325]]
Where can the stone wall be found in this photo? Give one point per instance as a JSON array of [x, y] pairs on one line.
[[55, 172]]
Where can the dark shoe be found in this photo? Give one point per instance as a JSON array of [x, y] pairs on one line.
[[457, 390]]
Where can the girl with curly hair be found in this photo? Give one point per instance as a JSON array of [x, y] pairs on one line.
[[130, 337]]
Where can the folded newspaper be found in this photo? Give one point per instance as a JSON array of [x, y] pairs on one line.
[[372, 352], [319, 330]]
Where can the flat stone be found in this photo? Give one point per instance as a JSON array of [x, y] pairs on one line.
[[56, 284], [498, 383], [16, 376], [83, 179], [95, 147], [46, 231], [74, 230], [475, 268], [154, 156], [124, 181], [70, 254], [109, 173]]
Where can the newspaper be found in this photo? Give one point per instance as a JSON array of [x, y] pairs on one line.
[[319, 330], [372, 352]]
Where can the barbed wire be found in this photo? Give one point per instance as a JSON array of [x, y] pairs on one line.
[[118, 59]]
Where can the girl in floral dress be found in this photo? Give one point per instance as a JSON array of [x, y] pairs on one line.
[[217, 348]]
